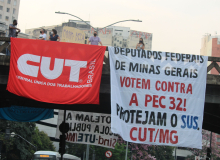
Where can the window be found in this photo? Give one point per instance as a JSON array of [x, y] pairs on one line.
[[218, 139], [6, 18], [14, 10], [13, 18], [1, 0], [9, 1], [0, 16], [8, 9], [1, 7], [15, 2]]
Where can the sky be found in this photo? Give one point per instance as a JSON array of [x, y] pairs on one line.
[[177, 25]]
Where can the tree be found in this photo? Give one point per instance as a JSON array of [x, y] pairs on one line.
[[117, 154], [161, 152], [149, 152], [206, 144], [41, 140], [18, 149], [75, 149], [137, 151], [78, 150]]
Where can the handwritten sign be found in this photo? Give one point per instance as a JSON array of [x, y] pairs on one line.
[[73, 35]]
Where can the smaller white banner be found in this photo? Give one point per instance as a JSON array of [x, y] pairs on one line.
[[88, 128]]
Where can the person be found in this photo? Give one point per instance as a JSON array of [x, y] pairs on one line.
[[54, 36], [13, 28], [140, 45], [94, 40], [43, 35], [12, 33]]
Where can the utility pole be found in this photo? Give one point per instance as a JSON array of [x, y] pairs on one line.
[[64, 128], [87, 152], [175, 154], [126, 154], [211, 145]]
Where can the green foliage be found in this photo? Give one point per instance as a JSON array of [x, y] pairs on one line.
[[117, 154], [75, 149], [18, 149], [41, 140], [161, 152], [78, 149]]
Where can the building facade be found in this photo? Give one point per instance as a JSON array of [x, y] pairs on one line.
[[210, 46], [116, 36], [9, 10]]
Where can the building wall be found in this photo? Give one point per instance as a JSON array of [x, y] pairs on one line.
[[121, 31], [35, 32], [113, 36], [106, 37], [9, 10], [182, 153], [47, 127], [211, 47], [134, 37], [215, 52], [117, 41], [26, 36], [206, 49]]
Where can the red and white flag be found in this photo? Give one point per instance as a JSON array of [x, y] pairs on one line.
[[55, 72]]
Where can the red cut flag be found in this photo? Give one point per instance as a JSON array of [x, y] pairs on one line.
[[55, 72]]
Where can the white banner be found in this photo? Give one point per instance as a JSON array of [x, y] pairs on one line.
[[157, 97], [88, 128]]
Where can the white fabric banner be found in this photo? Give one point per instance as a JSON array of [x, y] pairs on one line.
[[157, 97], [88, 128]]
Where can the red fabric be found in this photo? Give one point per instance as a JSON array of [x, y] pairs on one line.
[[26, 85]]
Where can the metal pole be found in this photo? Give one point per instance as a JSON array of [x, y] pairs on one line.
[[93, 155], [26, 141], [175, 153], [126, 155], [211, 144], [87, 152], [64, 121], [103, 27]]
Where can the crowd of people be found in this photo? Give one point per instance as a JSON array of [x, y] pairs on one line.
[[93, 40], [13, 32]]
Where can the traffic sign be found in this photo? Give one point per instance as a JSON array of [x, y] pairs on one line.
[[108, 154]]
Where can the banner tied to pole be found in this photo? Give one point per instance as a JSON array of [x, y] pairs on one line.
[[55, 72], [88, 128], [157, 97]]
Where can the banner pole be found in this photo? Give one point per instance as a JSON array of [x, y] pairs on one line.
[[64, 121], [175, 153], [211, 144], [87, 152], [126, 155]]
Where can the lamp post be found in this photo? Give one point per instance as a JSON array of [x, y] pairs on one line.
[[13, 134], [97, 29]]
